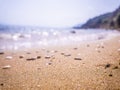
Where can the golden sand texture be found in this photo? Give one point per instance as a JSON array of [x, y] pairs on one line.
[[86, 66]]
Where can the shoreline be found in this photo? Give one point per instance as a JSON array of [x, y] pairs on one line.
[[87, 66], [52, 38]]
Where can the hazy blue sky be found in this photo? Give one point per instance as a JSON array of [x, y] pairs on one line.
[[53, 13]]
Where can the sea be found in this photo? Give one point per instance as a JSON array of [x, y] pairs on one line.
[[17, 38]]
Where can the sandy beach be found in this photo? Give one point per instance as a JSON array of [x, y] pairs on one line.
[[93, 65]]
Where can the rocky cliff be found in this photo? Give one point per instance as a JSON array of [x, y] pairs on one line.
[[107, 21]]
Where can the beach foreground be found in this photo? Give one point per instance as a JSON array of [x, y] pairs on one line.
[[85, 66]]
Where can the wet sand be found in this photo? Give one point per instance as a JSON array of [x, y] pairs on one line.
[[83, 66]]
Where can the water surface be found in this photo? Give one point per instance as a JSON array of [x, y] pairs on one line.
[[17, 38]]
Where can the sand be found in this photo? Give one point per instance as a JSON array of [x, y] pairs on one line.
[[84, 66]]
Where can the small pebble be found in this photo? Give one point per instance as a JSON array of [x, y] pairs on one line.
[[39, 68], [1, 84], [88, 45], [107, 66], [67, 55], [28, 53], [38, 85], [47, 57], [9, 57], [75, 48], [98, 51], [102, 46], [73, 32], [62, 53], [21, 56], [31, 59], [49, 63], [118, 50], [110, 75], [48, 51], [53, 51], [116, 67], [6, 67], [1, 53], [77, 58], [38, 57]]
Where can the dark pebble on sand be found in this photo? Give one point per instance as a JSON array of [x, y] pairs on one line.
[[21, 56], [49, 63], [39, 68], [38, 57], [98, 51], [107, 66], [1, 53], [102, 46], [31, 59], [75, 48], [73, 32], [62, 53], [56, 51], [88, 45], [116, 67], [1, 84], [77, 58], [110, 75], [28, 53]]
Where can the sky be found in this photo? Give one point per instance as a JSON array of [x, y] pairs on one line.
[[53, 13]]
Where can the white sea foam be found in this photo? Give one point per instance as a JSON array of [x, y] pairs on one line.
[[43, 37]]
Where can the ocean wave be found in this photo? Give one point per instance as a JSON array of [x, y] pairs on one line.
[[52, 37]]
